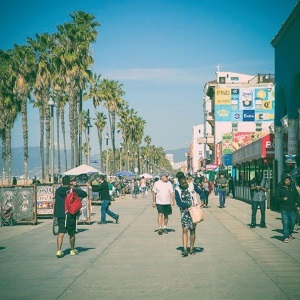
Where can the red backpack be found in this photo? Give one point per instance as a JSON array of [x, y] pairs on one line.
[[72, 203]]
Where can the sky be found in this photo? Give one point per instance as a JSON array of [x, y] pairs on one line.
[[162, 51]]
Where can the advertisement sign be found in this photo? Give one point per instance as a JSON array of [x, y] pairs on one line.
[[226, 143], [244, 104]]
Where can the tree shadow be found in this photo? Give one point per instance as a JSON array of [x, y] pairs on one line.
[[168, 230]]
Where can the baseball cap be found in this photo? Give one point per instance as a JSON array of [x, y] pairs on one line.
[[164, 174]]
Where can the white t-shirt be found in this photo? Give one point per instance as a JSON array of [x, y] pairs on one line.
[[163, 191]]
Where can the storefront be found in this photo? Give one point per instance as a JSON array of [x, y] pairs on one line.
[[251, 159]]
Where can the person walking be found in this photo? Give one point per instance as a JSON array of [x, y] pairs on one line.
[[68, 184], [258, 188], [105, 197], [163, 200], [289, 200], [205, 186], [184, 199], [222, 184], [143, 185]]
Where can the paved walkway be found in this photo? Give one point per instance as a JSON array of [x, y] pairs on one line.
[[131, 261]]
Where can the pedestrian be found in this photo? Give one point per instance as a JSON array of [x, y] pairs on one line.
[[184, 199], [258, 188], [289, 200], [122, 187], [143, 185], [222, 184], [68, 184], [230, 187], [163, 200], [105, 197], [206, 189], [14, 181]]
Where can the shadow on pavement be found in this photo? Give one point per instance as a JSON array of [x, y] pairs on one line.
[[2, 248]]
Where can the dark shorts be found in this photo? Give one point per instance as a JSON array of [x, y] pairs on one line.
[[71, 225], [165, 209]]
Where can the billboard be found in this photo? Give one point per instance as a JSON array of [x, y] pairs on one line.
[[251, 104]]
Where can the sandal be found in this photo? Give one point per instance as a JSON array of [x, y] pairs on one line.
[[192, 252], [184, 253]]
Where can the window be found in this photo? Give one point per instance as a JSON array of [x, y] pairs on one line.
[[234, 127], [258, 126], [234, 78], [222, 80]]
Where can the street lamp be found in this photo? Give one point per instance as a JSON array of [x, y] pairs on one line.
[[106, 138], [88, 125], [51, 104]]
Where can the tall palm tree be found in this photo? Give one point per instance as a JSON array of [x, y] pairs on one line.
[[100, 123], [23, 67], [111, 93]]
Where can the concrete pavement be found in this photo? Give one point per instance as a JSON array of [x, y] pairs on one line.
[[131, 261]]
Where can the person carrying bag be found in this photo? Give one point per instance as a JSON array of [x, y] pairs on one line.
[[186, 199]]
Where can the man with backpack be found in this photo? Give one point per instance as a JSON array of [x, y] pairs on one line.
[[66, 221]]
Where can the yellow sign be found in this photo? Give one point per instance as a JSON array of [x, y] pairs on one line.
[[265, 104], [223, 97]]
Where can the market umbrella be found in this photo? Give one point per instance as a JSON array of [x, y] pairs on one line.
[[82, 169], [125, 174], [146, 176]]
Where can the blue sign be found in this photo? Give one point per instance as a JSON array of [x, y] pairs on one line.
[[249, 115]]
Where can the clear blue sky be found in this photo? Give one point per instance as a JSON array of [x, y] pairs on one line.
[[162, 51]]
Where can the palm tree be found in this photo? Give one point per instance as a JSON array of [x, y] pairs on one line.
[[111, 93], [100, 123]]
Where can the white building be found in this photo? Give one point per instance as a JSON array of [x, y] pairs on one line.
[[237, 103]]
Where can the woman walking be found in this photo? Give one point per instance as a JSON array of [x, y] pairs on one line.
[[184, 199], [205, 186]]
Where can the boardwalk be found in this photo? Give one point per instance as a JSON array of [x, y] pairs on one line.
[[131, 261]]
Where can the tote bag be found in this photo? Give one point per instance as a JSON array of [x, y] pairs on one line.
[[196, 213]]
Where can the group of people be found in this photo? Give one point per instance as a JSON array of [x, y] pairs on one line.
[[183, 192]]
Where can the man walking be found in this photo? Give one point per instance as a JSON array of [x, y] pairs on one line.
[[258, 189], [105, 201], [163, 200], [288, 199], [222, 184], [59, 212]]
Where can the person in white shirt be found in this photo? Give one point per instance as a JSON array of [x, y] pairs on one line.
[[163, 200]]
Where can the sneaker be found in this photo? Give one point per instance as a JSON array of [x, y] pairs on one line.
[[160, 231], [73, 252], [286, 240], [117, 219], [184, 253], [59, 254], [165, 231]]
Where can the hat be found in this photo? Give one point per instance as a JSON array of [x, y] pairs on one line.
[[164, 174], [73, 179]]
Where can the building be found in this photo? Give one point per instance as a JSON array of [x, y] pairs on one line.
[[287, 107], [237, 105]]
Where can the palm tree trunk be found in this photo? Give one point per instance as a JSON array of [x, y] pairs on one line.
[[25, 136]]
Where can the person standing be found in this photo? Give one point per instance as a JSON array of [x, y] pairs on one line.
[[222, 184], [143, 185], [230, 187], [258, 189], [59, 213], [105, 197], [289, 200], [205, 186], [184, 199], [163, 200]]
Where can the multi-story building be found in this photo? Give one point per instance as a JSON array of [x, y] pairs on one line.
[[238, 108]]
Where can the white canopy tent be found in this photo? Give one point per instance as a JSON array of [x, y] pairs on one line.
[[146, 176], [82, 169]]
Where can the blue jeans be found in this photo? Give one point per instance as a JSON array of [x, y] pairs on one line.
[[288, 222], [262, 206], [222, 197], [105, 210]]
